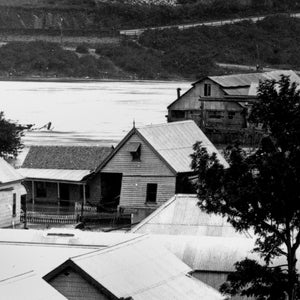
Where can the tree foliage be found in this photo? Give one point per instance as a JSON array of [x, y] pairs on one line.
[[261, 190], [10, 137]]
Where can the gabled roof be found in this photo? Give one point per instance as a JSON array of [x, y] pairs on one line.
[[28, 286], [8, 173], [65, 157], [140, 269], [181, 216], [173, 143]]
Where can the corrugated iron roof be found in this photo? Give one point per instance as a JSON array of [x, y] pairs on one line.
[[142, 269], [65, 157], [245, 80], [54, 174], [174, 142], [63, 237], [8, 173], [28, 286], [181, 216]]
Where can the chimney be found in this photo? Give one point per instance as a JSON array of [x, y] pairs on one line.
[[178, 92]]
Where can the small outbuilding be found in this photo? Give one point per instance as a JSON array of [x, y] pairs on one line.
[[11, 192]]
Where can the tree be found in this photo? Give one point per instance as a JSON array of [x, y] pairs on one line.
[[10, 138], [261, 191]]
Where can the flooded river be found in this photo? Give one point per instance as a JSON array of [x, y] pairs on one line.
[[86, 112]]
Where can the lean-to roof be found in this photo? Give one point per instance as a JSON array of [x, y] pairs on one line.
[[54, 174]]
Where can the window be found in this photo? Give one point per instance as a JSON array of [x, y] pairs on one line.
[[41, 190], [207, 89], [14, 206], [151, 192], [215, 114], [136, 156]]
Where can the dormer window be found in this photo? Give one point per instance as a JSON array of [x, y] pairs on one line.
[[207, 89], [135, 151]]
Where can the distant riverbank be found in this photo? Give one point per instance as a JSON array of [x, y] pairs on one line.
[[72, 79]]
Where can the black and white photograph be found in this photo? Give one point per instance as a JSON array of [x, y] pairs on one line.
[[149, 149]]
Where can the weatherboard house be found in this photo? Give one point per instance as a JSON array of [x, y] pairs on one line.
[[149, 165], [219, 104], [11, 192]]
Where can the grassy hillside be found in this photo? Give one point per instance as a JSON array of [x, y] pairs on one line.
[[165, 54]]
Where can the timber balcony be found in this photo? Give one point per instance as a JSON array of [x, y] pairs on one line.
[[72, 214]]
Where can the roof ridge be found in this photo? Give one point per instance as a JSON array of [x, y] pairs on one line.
[[166, 124]]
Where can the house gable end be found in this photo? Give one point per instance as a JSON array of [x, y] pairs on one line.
[[74, 283], [150, 163]]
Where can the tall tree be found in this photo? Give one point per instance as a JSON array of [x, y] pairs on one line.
[[261, 191], [10, 137]]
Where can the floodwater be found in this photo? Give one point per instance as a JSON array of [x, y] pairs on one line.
[[86, 112]]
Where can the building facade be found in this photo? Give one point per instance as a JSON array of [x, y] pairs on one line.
[[220, 104]]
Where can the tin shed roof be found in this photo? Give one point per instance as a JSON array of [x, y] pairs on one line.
[[65, 157], [141, 269], [243, 80], [182, 216], [8, 173], [174, 143], [28, 286]]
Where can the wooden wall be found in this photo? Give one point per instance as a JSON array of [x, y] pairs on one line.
[[6, 203]]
